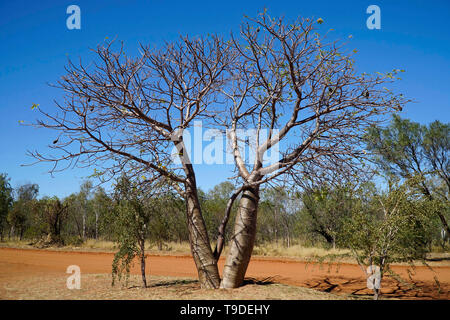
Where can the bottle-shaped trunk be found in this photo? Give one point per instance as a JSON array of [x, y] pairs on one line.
[[243, 240], [208, 272]]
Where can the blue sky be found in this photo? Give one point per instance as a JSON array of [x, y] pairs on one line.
[[414, 36]]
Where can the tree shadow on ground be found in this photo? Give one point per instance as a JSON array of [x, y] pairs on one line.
[[390, 288], [173, 283], [438, 259], [170, 283], [195, 283], [261, 281]]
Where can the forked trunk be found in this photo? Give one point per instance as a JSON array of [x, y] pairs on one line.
[[208, 272], [243, 240]]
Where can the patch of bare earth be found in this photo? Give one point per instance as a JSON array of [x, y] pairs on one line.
[[98, 287]]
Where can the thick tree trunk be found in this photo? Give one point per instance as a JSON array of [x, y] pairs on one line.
[[208, 272], [243, 240]]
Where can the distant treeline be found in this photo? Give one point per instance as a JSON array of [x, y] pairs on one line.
[[315, 217]]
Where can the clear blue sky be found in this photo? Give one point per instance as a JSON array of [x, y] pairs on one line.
[[35, 43]]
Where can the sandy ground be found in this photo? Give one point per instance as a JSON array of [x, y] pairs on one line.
[[98, 287], [25, 266]]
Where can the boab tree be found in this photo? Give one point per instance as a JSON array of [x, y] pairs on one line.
[[124, 114], [305, 92]]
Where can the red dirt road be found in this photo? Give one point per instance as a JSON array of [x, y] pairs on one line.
[[342, 278]]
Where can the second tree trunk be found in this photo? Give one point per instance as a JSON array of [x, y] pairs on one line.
[[243, 240]]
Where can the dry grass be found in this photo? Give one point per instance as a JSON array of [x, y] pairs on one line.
[[267, 249], [167, 248], [98, 287], [296, 251]]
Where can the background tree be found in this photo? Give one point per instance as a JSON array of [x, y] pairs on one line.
[[81, 211], [6, 201], [278, 214], [19, 214], [101, 205], [408, 150], [73, 222], [436, 148], [49, 215], [84, 198], [327, 209], [159, 224], [174, 207], [214, 205]]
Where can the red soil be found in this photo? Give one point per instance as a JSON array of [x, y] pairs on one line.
[[336, 278]]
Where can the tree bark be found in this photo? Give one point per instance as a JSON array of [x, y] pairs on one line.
[[243, 240], [208, 272], [142, 247]]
